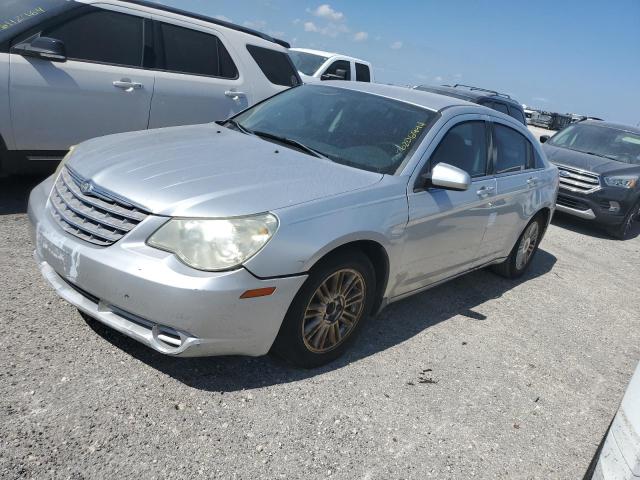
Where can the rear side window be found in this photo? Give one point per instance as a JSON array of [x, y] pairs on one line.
[[512, 148], [343, 66], [516, 113], [196, 53], [465, 147], [276, 66], [362, 73], [101, 36], [501, 107]]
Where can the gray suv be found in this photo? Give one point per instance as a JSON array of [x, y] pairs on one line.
[[284, 228]]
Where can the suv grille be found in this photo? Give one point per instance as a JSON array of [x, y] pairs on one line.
[[95, 217], [577, 180]]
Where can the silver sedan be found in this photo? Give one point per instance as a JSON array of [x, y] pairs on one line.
[[285, 227]]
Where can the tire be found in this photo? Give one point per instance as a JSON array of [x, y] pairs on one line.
[[622, 231], [320, 324], [515, 266]]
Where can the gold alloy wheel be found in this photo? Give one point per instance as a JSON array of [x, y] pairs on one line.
[[334, 310], [527, 245]]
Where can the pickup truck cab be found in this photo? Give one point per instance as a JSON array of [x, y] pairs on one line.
[[74, 70], [315, 65]]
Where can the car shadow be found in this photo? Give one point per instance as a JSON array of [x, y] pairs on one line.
[[585, 227], [14, 192], [410, 317]]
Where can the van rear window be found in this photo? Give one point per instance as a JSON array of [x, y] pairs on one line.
[[276, 66]]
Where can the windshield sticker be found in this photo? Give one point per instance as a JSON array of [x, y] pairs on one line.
[[410, 138], [12, 22]]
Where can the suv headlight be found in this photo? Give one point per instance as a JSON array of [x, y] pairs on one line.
[[623, 181], [215, 244]]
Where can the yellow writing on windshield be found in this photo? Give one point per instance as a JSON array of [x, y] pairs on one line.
[[413, 134], [11, 22]]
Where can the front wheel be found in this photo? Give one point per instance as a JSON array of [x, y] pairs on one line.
[[523, 251], [623, 231], [328, 311]]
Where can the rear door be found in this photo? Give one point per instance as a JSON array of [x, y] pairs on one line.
[[446, 228], [517, 176], [198, 78], [100, 89]]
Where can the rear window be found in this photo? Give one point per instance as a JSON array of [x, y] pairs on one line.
[[276, 66], [362, 73], [196, 53], [501, 107], [517, 114]]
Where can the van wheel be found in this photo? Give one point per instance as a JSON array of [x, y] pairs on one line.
[[623, 231], [522, 252], [328, 311]]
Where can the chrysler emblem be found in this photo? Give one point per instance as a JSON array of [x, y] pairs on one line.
[[86, 187], [563, 173]]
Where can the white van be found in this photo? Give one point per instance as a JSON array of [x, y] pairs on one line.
[[78, 69]]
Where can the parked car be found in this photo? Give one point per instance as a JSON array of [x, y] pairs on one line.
[[285, 227], [489, 98], [74, 70], [315, 65], [618, 456], [599, 166]]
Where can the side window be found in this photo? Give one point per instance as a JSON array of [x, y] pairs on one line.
[[196, 53], [101, 36], [465, 147], [516, 113], [362, 73], [276, 66], [341, 65], [501, 107], [513, 150]]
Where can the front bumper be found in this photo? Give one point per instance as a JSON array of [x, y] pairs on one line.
[[596, 205], [150, 296]]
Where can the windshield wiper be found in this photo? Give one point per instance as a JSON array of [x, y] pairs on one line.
[[238, 126], [291, 142]]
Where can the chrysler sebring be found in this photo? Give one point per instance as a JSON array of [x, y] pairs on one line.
[[284, 228]]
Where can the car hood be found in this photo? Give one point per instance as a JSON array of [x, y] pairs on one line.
[[587, 162], [210, 171]]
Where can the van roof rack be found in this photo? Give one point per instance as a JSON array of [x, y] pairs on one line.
[[205, 18], [471, 87]]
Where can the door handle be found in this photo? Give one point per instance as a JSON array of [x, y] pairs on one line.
[[235, 95], [127, 85], [532, 181], [485, 191]]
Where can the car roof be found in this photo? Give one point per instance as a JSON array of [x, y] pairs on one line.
[[468, 94], [431, 101], [617, 126], [205, 18]]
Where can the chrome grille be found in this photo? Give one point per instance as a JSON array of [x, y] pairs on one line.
[[95, 217], [577, 180]]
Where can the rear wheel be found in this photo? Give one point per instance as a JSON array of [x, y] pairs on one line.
[[523, 251], [623, 231], [328, 311]]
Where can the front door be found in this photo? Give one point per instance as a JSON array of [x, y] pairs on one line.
[[101, 88], [446, 228]]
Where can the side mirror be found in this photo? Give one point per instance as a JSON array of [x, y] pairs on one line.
[[544, 138], [448, 177], [340, 74], [44, 48]]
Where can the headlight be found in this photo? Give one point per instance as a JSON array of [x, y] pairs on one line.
[[623, 181], [215, 244], [64, 161]]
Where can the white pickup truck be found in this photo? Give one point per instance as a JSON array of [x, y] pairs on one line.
[[315, 65]]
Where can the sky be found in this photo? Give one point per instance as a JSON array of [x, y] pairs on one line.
[[569, 56]]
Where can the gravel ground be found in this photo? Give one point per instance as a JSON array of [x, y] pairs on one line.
[[481, 377]]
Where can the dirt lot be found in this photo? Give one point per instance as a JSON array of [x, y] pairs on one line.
[[480, 378]]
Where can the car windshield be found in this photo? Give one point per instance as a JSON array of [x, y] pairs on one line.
[[307, 63], [353, 128], [604, 141], [25, 13]]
